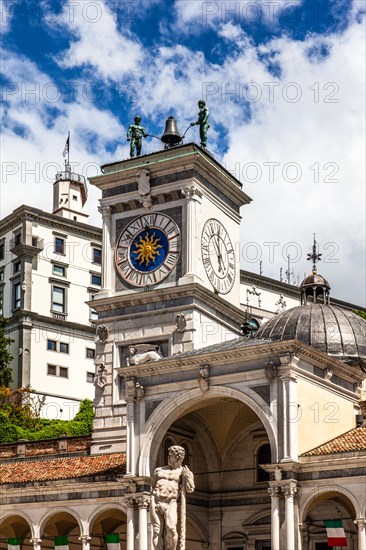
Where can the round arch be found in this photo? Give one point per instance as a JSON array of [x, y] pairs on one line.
[[169, 411], [328, 492], [198, 527], [104, 508], [14, 514], [60, 510]]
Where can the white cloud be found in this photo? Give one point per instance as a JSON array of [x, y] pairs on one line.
[[96, 42]]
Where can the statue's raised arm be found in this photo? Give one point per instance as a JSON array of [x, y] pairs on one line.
[[203, 121]]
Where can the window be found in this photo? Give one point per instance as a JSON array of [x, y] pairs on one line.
[[64, 372], [16, 296], [93, 313], [52, 345], [90, 377], [54, 370], [17, 266], [59, 270], [1, 274], [96, 279], [59, 245], [2, 251], [34, 241], [97, 256], [1, 302], [17, 239], [263, 457], [90, 353], [74, 198], [64, 348], [58, 299]]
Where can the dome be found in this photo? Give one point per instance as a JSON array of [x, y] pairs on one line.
[[335, 331], [315, 279]]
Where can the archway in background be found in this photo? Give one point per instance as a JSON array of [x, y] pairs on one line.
[[60, 522], [104, 522], [15, 526], [328, 504]]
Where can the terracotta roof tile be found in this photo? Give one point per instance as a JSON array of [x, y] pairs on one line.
[[353, 440], [60, 468]]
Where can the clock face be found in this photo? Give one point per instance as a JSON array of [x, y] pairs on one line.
[[148, 249], [218, 256]]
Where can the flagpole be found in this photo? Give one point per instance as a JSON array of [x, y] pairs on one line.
[[68, 151]]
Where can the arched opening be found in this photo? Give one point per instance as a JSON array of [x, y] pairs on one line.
[[107, 522], [328, 505], [15, 527], [60, 524], [221, 436]]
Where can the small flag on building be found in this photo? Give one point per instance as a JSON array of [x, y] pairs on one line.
[[335, 532], [13, 544], [67, 147], [112, 541], [61, 543]]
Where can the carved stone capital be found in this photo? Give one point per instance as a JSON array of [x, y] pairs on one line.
[[290, 490], [102, 333], [274, 491], [85, 540], [36, 543], [130, 501], [143, 500], [134, 390], [270, 371], [203, 378], [191, 192], [360, 521], [105, 211]]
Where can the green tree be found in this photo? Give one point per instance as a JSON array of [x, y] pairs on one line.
[[360, 313], [5, 356]]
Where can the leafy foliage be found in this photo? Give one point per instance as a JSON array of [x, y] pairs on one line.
[[360, 313], [20, 418], [5, 356]]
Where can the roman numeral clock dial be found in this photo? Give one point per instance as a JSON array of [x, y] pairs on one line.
[[218, 256], [148, 249]]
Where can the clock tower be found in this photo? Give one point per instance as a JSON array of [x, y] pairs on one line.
[[171, 266]]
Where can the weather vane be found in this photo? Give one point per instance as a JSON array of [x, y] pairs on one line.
[[314, 256]]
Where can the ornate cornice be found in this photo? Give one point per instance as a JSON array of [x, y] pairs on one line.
[[25, 212]]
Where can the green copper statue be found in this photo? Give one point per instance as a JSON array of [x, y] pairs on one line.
[[203, 115], [135, 133]]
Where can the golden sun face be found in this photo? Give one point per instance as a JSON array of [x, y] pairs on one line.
[[147, 249]]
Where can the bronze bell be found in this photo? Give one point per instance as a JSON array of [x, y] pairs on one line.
[[171, 134]]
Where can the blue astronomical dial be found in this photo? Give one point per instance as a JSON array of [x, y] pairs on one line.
[[148, 249]]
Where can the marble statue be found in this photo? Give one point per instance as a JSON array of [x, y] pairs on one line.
[[170, 483]]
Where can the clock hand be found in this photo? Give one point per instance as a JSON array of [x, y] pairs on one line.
[[219, 256]]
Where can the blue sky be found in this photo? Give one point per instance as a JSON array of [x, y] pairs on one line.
[[284, 81]]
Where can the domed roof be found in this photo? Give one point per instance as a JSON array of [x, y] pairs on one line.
[[335, 331], [315, 279]]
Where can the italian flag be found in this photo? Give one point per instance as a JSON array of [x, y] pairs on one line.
[[113, 541], [61, 543], [335, 532], [13, 544]]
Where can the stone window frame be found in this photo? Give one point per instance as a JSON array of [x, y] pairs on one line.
[[89, 375], [65, 300], [95, 274], [16, 301], [89, 350], [58, 369], [58, 345], [59, 236]]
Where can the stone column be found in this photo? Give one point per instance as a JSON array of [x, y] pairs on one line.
[[290, 450], [106, 247], [289, 491], [305, 539], [275, 515], [130, 504], [143, 502], [85, 541], [361, 524], [192, 195], [130, 398], [36, 543]]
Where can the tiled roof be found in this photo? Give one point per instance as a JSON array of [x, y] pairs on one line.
[[354, 440], [61, 468]]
